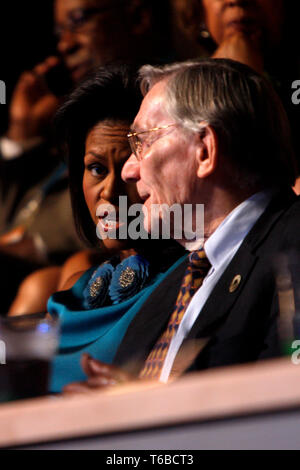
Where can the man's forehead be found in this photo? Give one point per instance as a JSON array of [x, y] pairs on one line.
[[63, 7], [153, 110]]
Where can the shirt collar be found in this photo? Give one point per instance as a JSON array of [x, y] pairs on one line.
[[235, 227]]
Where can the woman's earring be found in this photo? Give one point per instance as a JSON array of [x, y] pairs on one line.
[[204, 38], [203, 31]]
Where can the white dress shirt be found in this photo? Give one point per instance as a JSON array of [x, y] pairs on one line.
[[220, 248]]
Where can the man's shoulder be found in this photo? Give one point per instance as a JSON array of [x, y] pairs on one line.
[[278, 227], [293, 209], [288, 225], [290, 217]]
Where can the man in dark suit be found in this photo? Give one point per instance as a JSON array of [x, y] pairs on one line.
[[211, 133]]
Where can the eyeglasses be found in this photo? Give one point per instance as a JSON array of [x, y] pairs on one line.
[[138, 144], [79, 17]]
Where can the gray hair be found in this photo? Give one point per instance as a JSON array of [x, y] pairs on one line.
[[243, 109]]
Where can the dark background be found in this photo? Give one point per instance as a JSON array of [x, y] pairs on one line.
[[25, 39]]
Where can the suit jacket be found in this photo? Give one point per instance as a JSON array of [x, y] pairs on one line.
[[241, 323]]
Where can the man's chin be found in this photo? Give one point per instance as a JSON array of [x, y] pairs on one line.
[[147, 216], [153, 225]]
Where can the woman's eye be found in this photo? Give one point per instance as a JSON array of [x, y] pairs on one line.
[[98, 170]]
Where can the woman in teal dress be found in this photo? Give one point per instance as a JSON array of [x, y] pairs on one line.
[[95, 312]]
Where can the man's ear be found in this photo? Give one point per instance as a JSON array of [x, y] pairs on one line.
[[139, 17], [207, 151]]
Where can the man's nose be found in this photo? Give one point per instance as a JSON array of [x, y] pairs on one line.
[[131, 170], [67, 42]]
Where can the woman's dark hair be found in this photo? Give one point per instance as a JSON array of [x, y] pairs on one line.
[[113, 95]]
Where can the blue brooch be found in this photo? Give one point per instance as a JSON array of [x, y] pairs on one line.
[[116, 284], [95, 293], [129, 278]]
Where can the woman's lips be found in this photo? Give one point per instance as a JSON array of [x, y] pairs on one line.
[[108, 225], [244, 25], [108, 218]]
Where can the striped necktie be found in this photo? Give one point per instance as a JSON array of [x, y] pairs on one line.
[[196, 271]]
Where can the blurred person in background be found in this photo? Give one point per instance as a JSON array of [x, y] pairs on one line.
[[260, 33], [184, 18], [36, 226]]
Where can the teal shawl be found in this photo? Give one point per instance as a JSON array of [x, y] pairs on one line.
[[97, 332]]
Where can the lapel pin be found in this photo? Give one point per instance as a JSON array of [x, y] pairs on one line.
[[235, 283]]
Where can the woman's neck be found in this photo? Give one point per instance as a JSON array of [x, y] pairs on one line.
[[126, 253]]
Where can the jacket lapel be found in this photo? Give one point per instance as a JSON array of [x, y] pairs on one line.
[[153, 317], [231, 283], [150, 322], [224, 294]]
